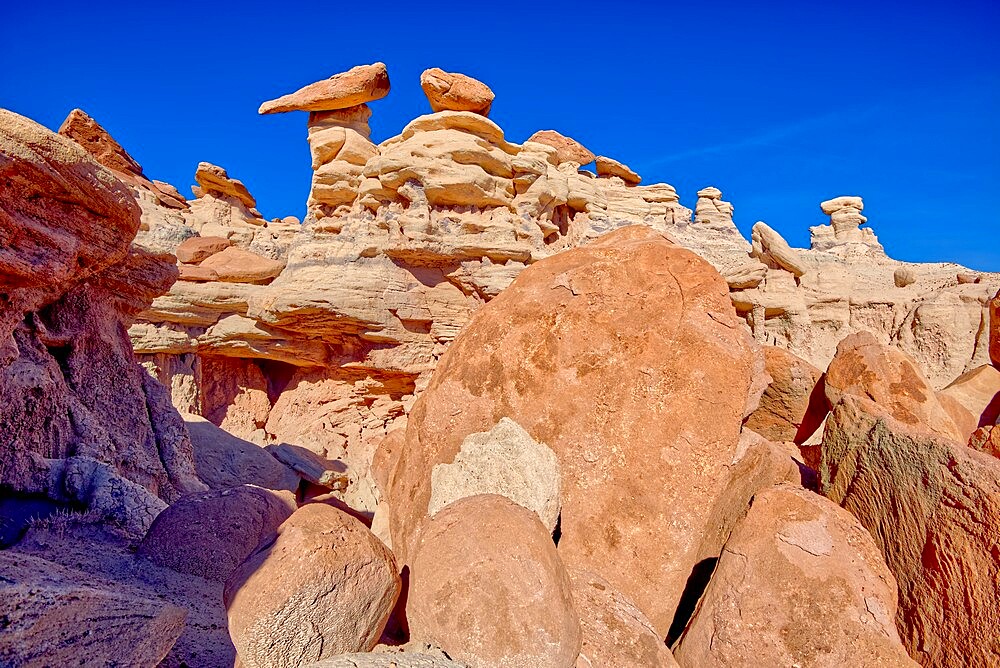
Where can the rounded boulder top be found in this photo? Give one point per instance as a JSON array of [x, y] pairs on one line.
[[451, 91]]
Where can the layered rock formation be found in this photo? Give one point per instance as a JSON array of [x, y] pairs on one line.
[[82, 422], [477, 363], [327, 346]]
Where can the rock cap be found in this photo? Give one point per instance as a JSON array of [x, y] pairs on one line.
[[212, 178], [451, 91], [608, 167], [831, 206], [357, 85]]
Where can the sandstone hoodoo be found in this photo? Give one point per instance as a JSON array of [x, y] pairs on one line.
[[482, 407]]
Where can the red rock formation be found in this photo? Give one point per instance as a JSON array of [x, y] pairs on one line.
[[792, 407], [799, 582], [69, 385], [891, 378], [933, 507]]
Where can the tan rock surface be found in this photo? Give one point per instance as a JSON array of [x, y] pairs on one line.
[[357, 85], [978, 392], [799, 582], [986, 439], [214, 179], [903, 277], [772, 249], [557, 332], [452, 91], [933, 507], [614, 631], [792, 407], [609, 167], [488, 587], [503, 461], [326, 586]]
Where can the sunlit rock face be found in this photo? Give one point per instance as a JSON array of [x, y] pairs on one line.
[[324, 332]]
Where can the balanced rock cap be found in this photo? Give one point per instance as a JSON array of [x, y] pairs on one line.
[[608, 167], [567, 149], [451, 91], [831, 206], [212, 178], [358, 85]]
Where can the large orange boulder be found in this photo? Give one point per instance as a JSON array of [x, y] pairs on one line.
[[488, 587], [325, 586], [933, 507], [624, 357], [799, 583], [792, 407], [236, 265], [864, 367], [615, 632], [196, 249], [567, 148], [978, 392]]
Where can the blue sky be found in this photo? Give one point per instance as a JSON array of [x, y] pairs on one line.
[[781, 105]]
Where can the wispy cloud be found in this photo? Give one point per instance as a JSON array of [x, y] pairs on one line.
[[769, 136]]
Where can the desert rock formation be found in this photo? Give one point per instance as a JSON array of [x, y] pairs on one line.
[[481, 406]]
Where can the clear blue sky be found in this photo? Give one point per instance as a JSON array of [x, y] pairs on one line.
[[781, 105]]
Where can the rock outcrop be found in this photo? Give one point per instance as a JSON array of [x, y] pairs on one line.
[[567, 148], [405, 239], [55, 616], [793, 406], [83, 423], [844, 236], [933, 507], [888, 376], [358, 85]]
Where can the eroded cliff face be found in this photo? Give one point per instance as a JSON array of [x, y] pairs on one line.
[[82, 422], [322, 334]]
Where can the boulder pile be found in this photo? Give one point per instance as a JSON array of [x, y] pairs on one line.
[[481, 408]]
